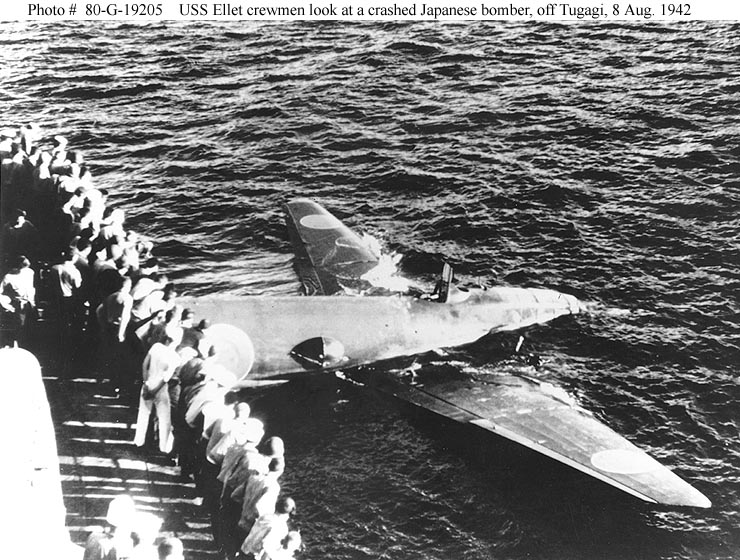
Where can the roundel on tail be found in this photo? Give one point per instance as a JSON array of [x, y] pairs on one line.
[[234, 349], [319, 352]]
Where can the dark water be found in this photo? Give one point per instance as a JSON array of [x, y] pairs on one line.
[[601, 160]]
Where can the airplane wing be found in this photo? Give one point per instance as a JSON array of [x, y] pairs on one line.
[[327, 251], [541, 417]]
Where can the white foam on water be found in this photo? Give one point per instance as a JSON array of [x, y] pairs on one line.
[[385, 275]]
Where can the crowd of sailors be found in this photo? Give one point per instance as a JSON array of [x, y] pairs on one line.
[[100, 283]]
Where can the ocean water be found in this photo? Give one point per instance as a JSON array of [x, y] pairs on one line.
[[600, 160]]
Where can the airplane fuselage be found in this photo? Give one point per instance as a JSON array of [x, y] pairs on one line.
[[362, 330]]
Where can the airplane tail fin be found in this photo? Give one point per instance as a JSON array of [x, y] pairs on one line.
[[445, 283]]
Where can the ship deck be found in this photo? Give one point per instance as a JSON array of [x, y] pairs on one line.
[[94, 430]]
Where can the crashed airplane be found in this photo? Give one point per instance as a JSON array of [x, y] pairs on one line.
[[264, 339]]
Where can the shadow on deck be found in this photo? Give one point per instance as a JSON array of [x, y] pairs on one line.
[[97, 461]]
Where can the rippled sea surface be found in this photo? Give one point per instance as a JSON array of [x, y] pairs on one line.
[[601, 160]]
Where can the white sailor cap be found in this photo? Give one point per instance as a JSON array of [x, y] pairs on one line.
[[121, 511], [146, 525], [252, 430]]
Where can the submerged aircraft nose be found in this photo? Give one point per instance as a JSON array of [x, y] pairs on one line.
[[574, 305], [508, 308]]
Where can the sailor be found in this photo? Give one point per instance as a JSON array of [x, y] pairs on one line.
[[243, 451], [131, 254], [229, 429], [30, 134], [152, 314], [75, 203], [117, 310], [216, 419], [174, 388], [211, 413], [13, 174], [7, 137], [81, 227], [114, 541], [67, 280], [149, 332], [218, 382], [20, 237], [171, 324], [260, 494], [39, 193], [158, 367], [269, 531], [225, 433], [18, 287], [8, 322], [69, 179], [191, 379], [42, 182], [85, 179], [59, 153], [95, 199], [106, 274], [194, 336], [112, 224], [82, 263], [145, 528], [220, 420], [251, 464], [169, 299], [186, 319], [246, 440], [203, 399], [148, 294], [151, 304], [146, 285]]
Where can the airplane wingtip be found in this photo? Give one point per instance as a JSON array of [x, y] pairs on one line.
[[700, 501]]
